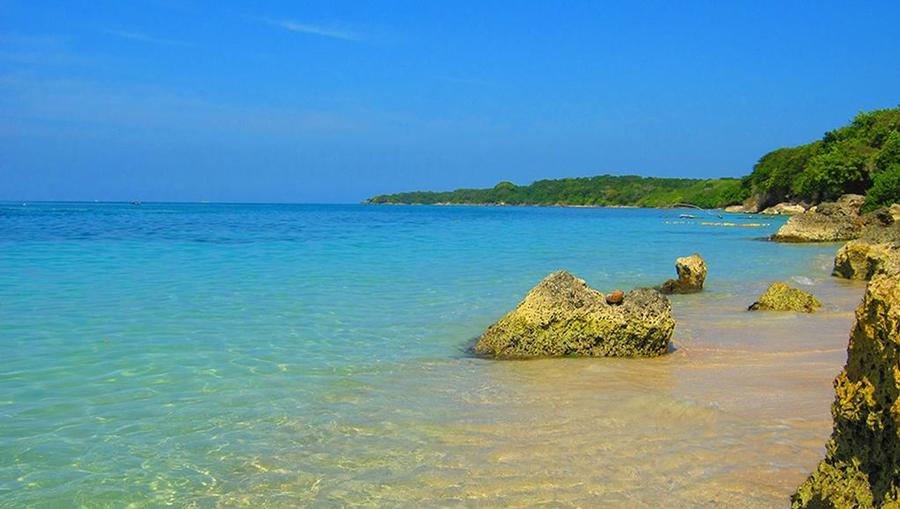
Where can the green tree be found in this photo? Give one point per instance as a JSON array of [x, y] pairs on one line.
[[885, 189]]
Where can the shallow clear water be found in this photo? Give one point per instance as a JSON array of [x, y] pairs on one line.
[[316, 356]]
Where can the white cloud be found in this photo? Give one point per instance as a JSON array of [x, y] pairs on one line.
[[331, 31]]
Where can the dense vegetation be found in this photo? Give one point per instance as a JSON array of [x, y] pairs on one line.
[[861, 158], [604, 190]]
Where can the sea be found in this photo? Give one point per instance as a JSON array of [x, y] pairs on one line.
[[281, 356]]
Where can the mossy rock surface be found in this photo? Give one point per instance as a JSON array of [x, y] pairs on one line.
[[563, 316], [861, 468], [859, 259], [782, 297]]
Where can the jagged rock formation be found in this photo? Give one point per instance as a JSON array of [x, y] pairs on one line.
[[562, 315], [861, 469]]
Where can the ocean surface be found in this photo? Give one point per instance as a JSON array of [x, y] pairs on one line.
[[209, 355]]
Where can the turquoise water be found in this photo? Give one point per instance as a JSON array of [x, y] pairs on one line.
[[204, 355]]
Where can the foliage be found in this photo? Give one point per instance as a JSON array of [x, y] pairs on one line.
[[858, 158], [603, 190], [845, 160], [885, 189]]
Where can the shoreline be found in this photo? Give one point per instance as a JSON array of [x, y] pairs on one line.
[[531, 205]]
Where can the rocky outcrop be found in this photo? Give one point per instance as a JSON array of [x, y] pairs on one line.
[[895, 212], [879, 233], [735, 209], [787, 209], [562, 315], [691, 272], [781, 297], [847, 205], [859, 259], [827, 222], [861, 468]]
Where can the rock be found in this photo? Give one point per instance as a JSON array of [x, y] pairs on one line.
[[861, 468], [895, 212], [753, 204], [876, 233], [691, 275], [562, 315], [847, 205], [788, 209], [859, 259], [735, 209], [879, 217], [615, 297], [819, 227], [781, 297], [826, 222]]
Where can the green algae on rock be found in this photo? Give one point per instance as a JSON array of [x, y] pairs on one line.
[[859, 259], [562, 316], [781, 297], [691, 272], [861, 468]]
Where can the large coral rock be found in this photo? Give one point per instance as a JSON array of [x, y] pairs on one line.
[[781, 297], [562, 315], [861, 469], [827, 222], [859, 259], [788, 209], [691, 272]]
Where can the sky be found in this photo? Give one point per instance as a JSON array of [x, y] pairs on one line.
[[333, 102]]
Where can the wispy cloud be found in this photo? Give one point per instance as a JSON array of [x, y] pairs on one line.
[[149, 39], [334, 32]]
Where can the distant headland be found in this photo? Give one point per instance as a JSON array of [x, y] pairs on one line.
[[862, 158]]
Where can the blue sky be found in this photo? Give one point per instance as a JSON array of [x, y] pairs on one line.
[[336, 101]]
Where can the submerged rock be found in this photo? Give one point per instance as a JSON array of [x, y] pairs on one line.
[[562, 315], [691, 275], [859, 259], [781, 297], [827, 222], [861, 468], [735, 209]]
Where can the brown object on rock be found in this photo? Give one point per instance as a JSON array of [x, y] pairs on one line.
[[615, 297]]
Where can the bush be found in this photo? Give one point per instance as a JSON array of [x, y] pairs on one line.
[[885, 189]]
